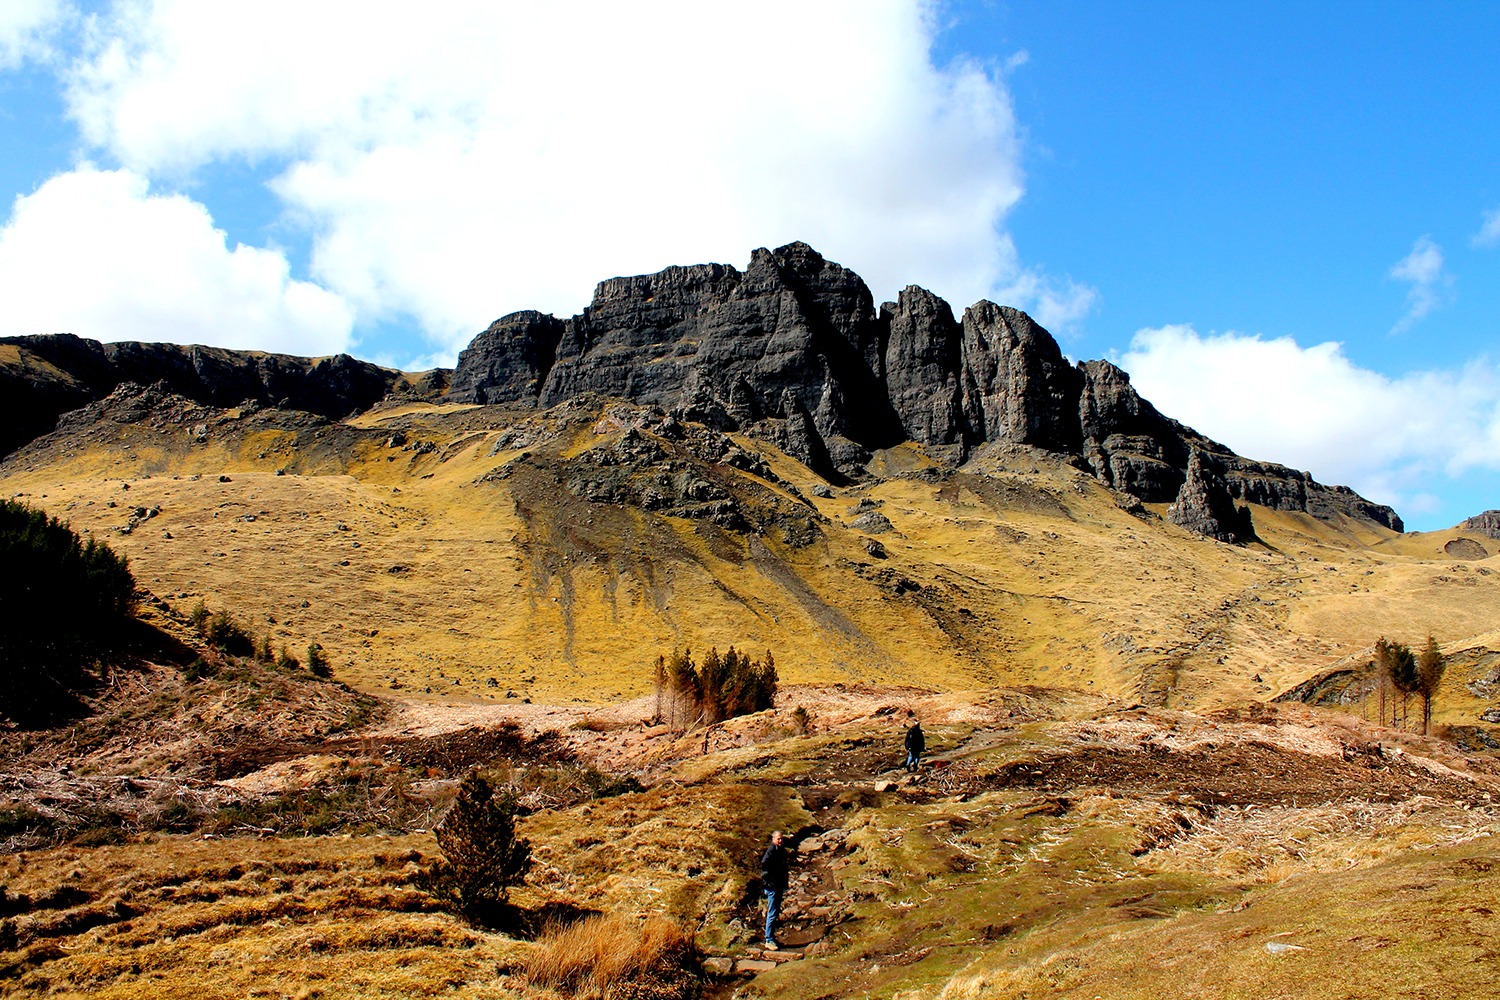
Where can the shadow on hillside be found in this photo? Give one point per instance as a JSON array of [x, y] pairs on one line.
[[530, 924], [46, 687], [44, 697]]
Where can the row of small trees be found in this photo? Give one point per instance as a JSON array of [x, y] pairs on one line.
[[720, 687], [1400, 674], [57, 589]]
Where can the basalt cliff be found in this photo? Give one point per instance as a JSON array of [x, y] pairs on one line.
[[791, 351]]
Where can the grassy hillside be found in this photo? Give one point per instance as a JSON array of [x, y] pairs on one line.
[[1112, 807], [462, 553]]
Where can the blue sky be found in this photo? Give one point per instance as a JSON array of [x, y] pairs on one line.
[[1282, 218]]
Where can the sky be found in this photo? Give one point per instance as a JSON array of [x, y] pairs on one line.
[[1282, 219]]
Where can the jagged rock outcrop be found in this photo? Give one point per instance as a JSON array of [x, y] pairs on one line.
[[508, 362], [1125, 441], [52, 374], [793, 340], [923, 368], [1204, 505], [792, 351], [1017, 385], [1486, 524]]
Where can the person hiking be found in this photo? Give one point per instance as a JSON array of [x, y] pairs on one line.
[[915, 744], [774, 864]]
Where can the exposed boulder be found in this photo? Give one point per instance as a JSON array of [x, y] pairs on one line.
[[872, 523], [1204, 505], [1465, 548]]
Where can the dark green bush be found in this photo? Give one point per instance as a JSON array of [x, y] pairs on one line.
[[224, 633], [482, 856], [317, 661], [198, 669]]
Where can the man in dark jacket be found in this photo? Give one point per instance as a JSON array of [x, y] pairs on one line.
[[915, 744], [773, 878]]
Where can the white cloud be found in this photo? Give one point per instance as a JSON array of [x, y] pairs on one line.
[[1312, 408], [485, 157], [1430, 288], [26, 26], [1056, 303], [93, 252], [1489, 232]]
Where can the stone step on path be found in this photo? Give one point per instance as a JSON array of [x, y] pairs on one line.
[[753, 962]]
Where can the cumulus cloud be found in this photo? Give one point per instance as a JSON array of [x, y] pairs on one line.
[[1431, 286], [1056, 303], [485, 157], [93, 252], [1489, 232], [1313, 408], [26, 27]]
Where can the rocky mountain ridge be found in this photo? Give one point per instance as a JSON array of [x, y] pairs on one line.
[[42, 377], [791, 351]]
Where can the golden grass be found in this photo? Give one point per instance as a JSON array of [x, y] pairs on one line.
[[599, 955], [415, 570], [331, 917], [964, 883], [382, 415]]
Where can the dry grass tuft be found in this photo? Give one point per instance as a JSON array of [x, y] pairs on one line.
[[610, 956]]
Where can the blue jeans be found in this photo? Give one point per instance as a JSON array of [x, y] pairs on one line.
[[913, 760], [773, 911]]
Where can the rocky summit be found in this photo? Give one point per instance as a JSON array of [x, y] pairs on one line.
[[792, 350]]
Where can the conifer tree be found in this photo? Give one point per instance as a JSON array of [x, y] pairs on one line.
[[684, 686], [1430, 669], [1403, 671], [1381, 664], [62, 599], [659, 681], [714, 674], [482, 856]]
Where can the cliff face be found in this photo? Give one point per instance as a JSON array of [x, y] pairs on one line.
[[792, 350], [49, 375]]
